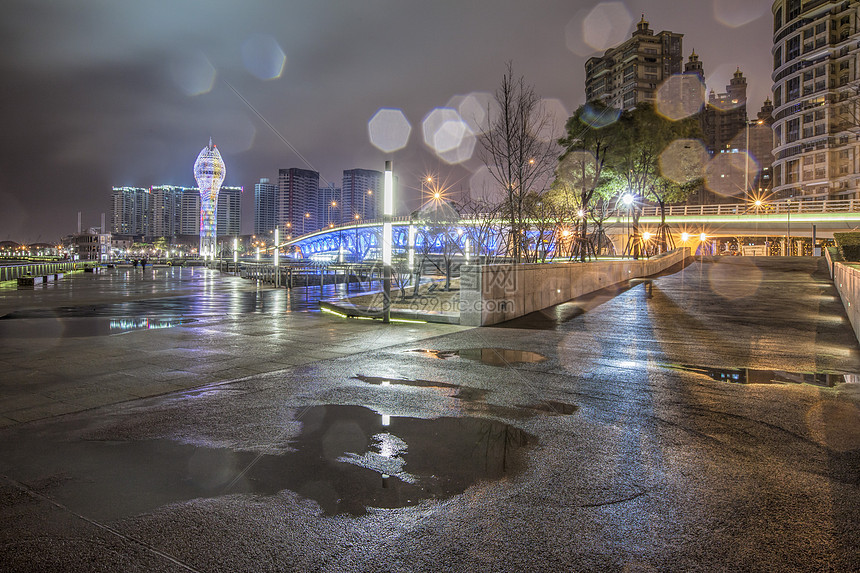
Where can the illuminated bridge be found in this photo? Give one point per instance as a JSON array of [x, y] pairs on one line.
[[793, 219]]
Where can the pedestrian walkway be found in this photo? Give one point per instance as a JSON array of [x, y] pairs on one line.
[[97, 339]]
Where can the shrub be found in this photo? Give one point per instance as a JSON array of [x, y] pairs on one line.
[[849, 245]]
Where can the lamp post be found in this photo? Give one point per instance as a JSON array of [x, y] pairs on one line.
[[236, 254], [747, 159], [364, 205], [276, 255], [628, 201], [305, 218], [387, 212]]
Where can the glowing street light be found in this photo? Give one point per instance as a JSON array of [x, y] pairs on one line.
[[387, 212]]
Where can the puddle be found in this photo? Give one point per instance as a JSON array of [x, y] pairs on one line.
[[468, 394], [491, 356], [753, 376], [83, 327], [462, 392], [346, 458]]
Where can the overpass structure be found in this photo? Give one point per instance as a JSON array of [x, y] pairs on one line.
[[785, 221]]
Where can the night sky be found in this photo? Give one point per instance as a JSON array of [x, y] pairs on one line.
[[97, 93]]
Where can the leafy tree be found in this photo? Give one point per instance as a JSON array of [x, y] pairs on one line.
[[580, 170], [633, 161]]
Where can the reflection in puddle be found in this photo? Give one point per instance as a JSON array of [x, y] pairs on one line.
[[462, 392], [753, 376], [82, 327], [491, 356], [123, 324], [475, 395], [346, 458]]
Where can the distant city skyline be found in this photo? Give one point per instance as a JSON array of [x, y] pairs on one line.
[[99, 95]]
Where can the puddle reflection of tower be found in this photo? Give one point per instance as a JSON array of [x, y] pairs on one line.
[[209, 171]]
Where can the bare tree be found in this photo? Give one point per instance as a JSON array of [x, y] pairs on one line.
[[517, 152]]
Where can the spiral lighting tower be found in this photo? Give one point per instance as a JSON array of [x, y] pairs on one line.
[[209, 171]]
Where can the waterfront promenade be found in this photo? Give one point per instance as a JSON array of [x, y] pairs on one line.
[[183, 420]]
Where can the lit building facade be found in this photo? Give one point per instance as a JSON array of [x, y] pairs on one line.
[[815, 99], [297, 195], [189, 212], [265, 206], [229, 211], [327, 211], [631, 72], [209, 171], [725, 115], [361, 191], [130, 210], [165, 210]]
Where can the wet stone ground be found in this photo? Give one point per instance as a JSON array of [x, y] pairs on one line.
[[707, 420]]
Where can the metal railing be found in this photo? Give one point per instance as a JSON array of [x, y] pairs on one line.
[[765, 208]]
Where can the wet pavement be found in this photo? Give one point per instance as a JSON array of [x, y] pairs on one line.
[[611, 439]]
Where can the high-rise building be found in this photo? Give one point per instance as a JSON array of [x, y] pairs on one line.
[[265, 206], [189, 208], [209, 171], [297, 193], [129, 210], [725, 114], [631, 72], [815, 99], [229, 211], [360, 192], [327, 212], [165, 206]]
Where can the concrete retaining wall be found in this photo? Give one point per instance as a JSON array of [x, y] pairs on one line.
[[847, 281], [490, 294]]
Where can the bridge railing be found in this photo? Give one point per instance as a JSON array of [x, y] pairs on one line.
[[827, 206], [765, 208]]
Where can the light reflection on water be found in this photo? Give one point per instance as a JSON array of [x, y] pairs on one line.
[[144, 323]]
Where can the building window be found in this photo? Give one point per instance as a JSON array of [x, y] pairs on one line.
[[792, 9], [792, 48], [777, 19], [777, 58], [792, 130], [792, 89]]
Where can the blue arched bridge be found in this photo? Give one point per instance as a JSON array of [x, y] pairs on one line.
[[482, 235]]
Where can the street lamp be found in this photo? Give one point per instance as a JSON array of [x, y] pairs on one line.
[[627, 199], [387, 212], [364, 204], [305, 218]]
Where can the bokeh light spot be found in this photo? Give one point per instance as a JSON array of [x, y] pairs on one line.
[[448, 135], [556, 115], [599, 116], [737, 13], [684, 160], [607, 25], [682, 95], [726, 173], [475, 109], [483, 186], [193, 74], [389, 130], [263, 57]]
